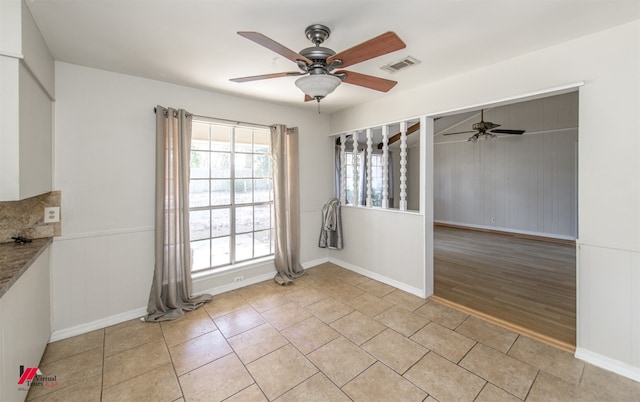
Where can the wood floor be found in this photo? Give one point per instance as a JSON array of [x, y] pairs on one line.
[[527, 283]]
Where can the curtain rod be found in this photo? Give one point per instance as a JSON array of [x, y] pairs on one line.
[[165, 113], [215, 119], [233, 122]]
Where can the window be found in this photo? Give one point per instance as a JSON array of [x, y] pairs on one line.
[[349, 175], [376, 179], [230, 195], [395, 148], [377, 175]]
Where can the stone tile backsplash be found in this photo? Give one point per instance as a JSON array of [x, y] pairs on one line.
[[26, 217]]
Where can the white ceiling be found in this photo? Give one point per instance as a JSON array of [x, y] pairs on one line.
[[194, 43]]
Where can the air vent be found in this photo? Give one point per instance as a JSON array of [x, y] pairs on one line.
[[401, 64]]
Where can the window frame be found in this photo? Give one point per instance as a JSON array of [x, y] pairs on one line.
[[233, 233]]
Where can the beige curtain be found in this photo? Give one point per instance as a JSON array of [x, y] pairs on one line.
[[286, 190], [170, 294]]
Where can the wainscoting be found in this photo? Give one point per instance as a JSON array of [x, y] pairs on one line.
[[98, 276]]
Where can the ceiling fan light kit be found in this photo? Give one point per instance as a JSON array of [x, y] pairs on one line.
[[318, 86], [317, 62]]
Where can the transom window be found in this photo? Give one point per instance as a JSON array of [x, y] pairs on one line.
[[230, 195]]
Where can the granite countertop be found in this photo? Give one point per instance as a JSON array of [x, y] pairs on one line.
[[15, 258]]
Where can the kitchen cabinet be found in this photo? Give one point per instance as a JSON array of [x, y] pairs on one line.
[[26, 106], [25, 325]]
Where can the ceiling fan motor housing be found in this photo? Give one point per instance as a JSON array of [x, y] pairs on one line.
[[317, 53], [484, 126]]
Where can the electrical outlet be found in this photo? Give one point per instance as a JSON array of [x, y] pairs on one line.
[[51, 214], [238, 279]]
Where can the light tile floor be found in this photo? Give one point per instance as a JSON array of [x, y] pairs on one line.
[[333, 335]]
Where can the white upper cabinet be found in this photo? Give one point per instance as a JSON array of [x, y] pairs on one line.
[[26, 105]]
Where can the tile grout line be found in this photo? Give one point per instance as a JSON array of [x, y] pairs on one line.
[[134, 347], [482, 389], [250, 375], [173, 366], [297, 349], [532, 384], [413, 365], [489, 381], [279, 333], [104, 348], [317, 348]]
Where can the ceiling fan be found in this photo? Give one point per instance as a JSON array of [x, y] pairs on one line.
[[486, 129], [317, 63]]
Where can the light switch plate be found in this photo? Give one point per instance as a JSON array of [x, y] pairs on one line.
[[51, 214]]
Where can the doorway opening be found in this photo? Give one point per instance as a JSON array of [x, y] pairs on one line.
[[505, 214]]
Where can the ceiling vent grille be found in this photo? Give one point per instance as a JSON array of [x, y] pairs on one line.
[[401, 64]]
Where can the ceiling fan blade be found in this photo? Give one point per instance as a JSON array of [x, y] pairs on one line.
[[490, 126], [386, 43], [461, 132], [367, 81], [307, 98], [505, 131], [274, 46], [266, 76]]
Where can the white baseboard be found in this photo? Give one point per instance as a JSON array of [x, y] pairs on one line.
[[509, 230], [313, 263], [97, 324], [609, 364], [142, 311], [380, 278]]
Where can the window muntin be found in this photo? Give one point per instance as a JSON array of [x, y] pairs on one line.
[[230, 196]]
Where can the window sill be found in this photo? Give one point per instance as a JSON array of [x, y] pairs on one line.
[[239, 267]]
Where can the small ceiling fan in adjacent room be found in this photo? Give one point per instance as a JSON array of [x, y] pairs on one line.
[[317, 63], [486, 129]]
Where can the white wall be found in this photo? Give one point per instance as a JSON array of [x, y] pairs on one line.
[[517, 183], [36, 54], [609, 169], [104, 151], [383, 245], [10, 27]]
